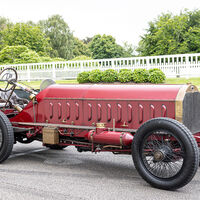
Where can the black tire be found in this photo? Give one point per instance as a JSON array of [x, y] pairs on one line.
[[165, 153], [6, 137], [55, 146], [199, 156]]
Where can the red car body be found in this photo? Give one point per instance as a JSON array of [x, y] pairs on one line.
[[157, 124]]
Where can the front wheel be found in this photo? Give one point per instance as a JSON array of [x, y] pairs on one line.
[[165, 153], [6, 137]]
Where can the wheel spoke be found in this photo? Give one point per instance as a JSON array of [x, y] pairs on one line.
[[170, 154]]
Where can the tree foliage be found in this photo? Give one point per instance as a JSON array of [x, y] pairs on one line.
[[105, 46], [23, 34], [61, 38], [18, 54], [172, 34], [81, 58], [128, 50], [4, 23], [80, 48], [87, 40], [53, 37], [21, 54]]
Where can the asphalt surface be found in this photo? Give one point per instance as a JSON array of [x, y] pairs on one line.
[[35, 172]]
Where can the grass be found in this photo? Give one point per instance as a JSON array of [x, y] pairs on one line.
[[194, 81], [36, 84]]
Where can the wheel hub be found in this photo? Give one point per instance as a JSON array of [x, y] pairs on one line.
[[162, 153], [158, 156]]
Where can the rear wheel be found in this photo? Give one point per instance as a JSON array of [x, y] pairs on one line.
[[6, 137], [165, 153]]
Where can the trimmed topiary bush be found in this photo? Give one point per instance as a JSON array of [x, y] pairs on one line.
[[154, 69], [124, 70], [140, 76], [157, 76], [83, 77], [125, 76], [95, 76], [109, 76]]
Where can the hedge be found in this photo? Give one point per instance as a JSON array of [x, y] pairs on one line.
[[83, 77], [95, 76], [141, 75], [156, 76], [109, 76], [125, 76]]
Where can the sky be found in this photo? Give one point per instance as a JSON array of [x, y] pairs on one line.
[[126, 20]]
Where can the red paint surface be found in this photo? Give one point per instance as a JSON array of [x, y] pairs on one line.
[[86, 105], [145, 92], [110, 137]]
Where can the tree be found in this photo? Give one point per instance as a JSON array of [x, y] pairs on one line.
[[61, 38], [80, 48], [22, 54], [128, 50], [81, 58], [4, 22], [192, 39], [105, 47], [18, 54], [31, 23], [23, 34], [170, 34], [87, 40]]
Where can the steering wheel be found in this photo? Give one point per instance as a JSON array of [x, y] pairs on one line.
[[7, 77]]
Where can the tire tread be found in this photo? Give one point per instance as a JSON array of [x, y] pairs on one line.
[[7, 126], [195, 156]]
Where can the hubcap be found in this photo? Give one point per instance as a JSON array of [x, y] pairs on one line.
[[162, 153], [158, 156], [162, 156]]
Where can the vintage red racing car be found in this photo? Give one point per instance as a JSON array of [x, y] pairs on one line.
[[159, 125]]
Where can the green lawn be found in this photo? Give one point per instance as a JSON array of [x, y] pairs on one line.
[[195, 81], [36, 84]]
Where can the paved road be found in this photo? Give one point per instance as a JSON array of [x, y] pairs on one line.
[[34, 172]]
